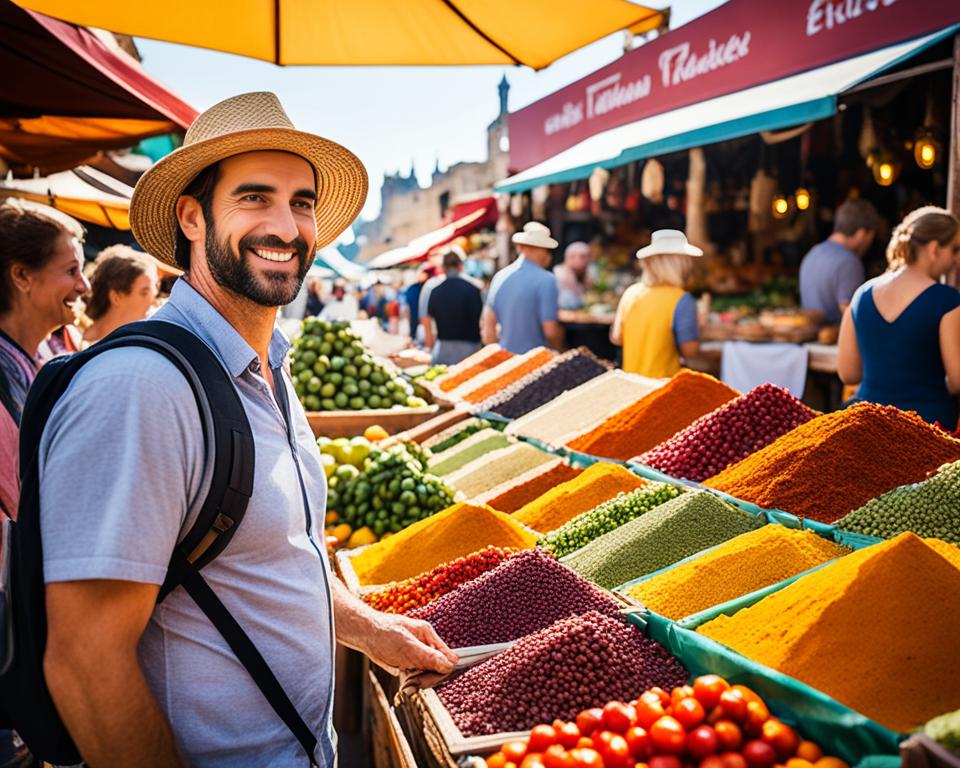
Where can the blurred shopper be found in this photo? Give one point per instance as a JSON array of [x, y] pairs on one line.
[[411, 300], [522, 299], [123, 289], [455, 306], [833, 270], [656, 320], [41, 276], [342, 304], [572, 275], [314, 297], [900, 337]]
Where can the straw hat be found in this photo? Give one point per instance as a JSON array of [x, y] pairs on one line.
[[535, 234], [249, 122], [667, 241]]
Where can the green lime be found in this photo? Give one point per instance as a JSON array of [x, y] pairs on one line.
[[311, 403], [314, 385], [341, 400], [328, 390], [305, 376], [328, 404], [350, 370], [357, 403]]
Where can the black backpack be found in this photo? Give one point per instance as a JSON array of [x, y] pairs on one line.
[[25, 702]]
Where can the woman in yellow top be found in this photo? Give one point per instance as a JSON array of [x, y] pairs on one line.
[[656, 320]]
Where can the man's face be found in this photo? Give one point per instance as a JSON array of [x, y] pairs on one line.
[[539, 256], [262, 234], [862, 240]]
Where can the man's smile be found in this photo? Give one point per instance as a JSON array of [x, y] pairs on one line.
[[275, 254]]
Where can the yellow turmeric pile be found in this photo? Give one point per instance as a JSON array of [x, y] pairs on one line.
[[455, 532], [600, 482], [737, 567], [877, 630]]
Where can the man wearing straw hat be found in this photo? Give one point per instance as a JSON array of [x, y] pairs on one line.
[[242, 207]]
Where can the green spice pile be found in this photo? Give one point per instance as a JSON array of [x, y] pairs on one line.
[[677, 529], [929, 509], [456, 434], [493, 469], [475, 446], [605, 517]]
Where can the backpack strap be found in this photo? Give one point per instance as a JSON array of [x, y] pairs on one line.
[[6, 399], [229, 450]]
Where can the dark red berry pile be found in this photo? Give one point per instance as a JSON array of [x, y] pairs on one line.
[[579, 662], [731, 433], [526, 592], [409, 594]]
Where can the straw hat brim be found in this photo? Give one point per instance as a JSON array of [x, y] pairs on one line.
[[653, 250], [535, 240], [341, 183]]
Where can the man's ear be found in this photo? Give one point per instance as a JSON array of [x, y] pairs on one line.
[[190, 217]]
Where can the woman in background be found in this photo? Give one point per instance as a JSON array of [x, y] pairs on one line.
[[123, 289], [900, 336]]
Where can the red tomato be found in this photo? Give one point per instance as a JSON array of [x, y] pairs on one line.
[[590, 720], [533, 760], [708, 688], [782, 738], [557, 757], [649, 709], [660, 694], [497, 761], [514, 751], [682, 692], [614, 751], [541, 737], [618, 716], [689, 712], [747, 693], [567, 733], [584, 742], [733, 706], [759, 754], [668, 736], [757, 715], [586, 758], [639, 742], [733, 760], [702, 741], [665, 761], [713, 761], [729, 736]]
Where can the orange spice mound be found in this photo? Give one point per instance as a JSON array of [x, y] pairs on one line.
[[519, 495], [656, 417], [516, 373], [485, 363]]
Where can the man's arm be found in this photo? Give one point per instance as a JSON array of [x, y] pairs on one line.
[[549, 308], [393, 641], [427, 323], [94, 676], [553, 332], [488, 326]]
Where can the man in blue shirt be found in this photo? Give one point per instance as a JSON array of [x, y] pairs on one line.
[[143, 684], [521, 309], [833, 270]]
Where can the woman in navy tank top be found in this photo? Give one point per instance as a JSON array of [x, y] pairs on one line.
[[900, 336]]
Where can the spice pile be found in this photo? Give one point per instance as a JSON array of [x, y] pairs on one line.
[[416, 592], [656, 417], [474, 447], [838, 462], [600, 482], [930, 508], [569, 370], [523, 594], [511, 496], [583, 408], [455, 532], [494, 380], [877, 630], [730, 433], [605, 517], [674, 530], [456, 433], [483, 360], [583, 661], [737, 567], [496, 468]]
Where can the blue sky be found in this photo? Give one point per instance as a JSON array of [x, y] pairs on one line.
[[389, 116]]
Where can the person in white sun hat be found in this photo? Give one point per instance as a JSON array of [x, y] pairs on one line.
[[242, 207], [656, 320], [521, 308]]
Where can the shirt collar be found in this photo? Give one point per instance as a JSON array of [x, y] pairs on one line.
[[217, 333]]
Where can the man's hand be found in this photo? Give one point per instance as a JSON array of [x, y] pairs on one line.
[[393, 641]]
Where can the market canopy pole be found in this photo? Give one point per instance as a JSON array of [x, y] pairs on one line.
[[953, 173], [367, 32]]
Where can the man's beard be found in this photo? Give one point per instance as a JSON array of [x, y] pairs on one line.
[[233, 271]]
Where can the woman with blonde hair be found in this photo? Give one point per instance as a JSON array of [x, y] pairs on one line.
[[656, 321], [123, 288], [900, 336]]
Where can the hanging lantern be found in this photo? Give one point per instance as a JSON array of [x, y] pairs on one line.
[[780, 207], [802, 198], [886, 170], [926, 149]]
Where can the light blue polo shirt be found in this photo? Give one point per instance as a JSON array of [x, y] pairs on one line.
[[121, 478], [523, 296]]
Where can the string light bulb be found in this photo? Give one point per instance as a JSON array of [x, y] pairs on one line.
[[886, 170], [802, 198], [780, 206], [926, 150]]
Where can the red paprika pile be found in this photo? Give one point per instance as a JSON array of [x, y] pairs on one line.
[[730, 433], [656, 417], [838, 462]]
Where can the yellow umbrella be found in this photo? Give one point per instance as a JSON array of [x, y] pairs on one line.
[[366, 32]]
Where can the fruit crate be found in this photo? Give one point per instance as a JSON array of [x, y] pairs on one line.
[[350, 423]]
